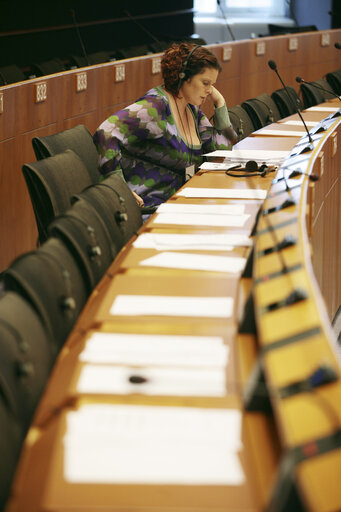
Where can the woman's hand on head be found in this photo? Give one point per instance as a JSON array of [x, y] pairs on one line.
[[138, 199], [217, 98]]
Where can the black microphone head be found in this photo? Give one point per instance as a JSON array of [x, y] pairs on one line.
[[251, 166], [299, 79], [337, 45], [272, 64]]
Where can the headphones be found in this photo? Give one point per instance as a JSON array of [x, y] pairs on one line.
[[182, 74], [251, 169]]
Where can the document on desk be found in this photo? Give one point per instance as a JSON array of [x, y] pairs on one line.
[[241, 156], [194, 219], [155, 350], [208, 307], [124, 380], [299, 123], [202, 209], [225, 193], [188, 261], [134, 444], [280, 133], [319, 108], [183, 241]]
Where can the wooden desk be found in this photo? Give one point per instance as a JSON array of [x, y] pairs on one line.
[[267, 439]]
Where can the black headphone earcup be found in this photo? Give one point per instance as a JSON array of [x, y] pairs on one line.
[[251, 166]]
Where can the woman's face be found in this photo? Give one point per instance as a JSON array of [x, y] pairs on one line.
[[196, 89]]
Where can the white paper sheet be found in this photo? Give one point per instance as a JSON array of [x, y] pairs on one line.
[[196, 262], [155, 350], [243, 155], [182, 241], [282, 133], [187, 219], [119, 380], [233, 193], [319, 108], [202, 209], [299, 123], [215, 166], [208, 307], [115, 444]]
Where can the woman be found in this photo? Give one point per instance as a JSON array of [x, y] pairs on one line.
[[158, 142]]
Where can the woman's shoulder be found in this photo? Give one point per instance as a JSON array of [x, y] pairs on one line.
[[155, 96]]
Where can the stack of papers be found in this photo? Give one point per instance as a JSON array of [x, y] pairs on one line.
[[225, 193], [202, 307], [155, 350], [128, 444], [196, 262], [241, 156], [184, 241]]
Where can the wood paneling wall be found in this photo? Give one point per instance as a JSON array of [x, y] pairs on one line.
[[244, 76]]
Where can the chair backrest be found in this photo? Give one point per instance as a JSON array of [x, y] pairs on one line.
[[79, 139], [114, 201], [262, 110], [50, 279], [241, 121], [11, 74], [51, 184], [11, 440], [26, 357], [311, 95], [334, 80], [84, 232], [48, 67], [287, 101]]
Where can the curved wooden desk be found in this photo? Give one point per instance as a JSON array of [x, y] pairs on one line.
[[280, 437]]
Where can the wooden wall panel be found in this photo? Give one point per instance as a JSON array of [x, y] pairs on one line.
[[8, 121], [32, 115]]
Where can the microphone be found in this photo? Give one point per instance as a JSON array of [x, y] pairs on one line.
[[143, 28], [79, 36], [226, 22], [337, 46], [295, 173], [300, 80], [272, 65]]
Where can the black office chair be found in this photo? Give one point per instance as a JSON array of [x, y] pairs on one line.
[[79, 139], [334, 80], [51, 183], [262, 110], [11, 440], [26, 357], [85, 233], [48, 67], [313, 95], [287, 101], [241, 121], [50, 279], [80, 61], [114, 201], [11, 74]]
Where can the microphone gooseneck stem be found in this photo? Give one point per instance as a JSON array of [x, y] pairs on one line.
[[226, 22], [79, 36], [274, 68], [301, 81]]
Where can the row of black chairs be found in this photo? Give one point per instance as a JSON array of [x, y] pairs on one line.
[[255, 113], [82, 223], [14, 73]]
